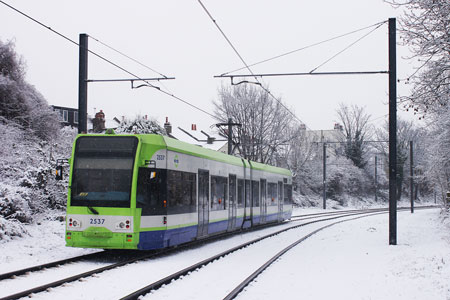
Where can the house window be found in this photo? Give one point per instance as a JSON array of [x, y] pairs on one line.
[[75, 117], [65, 116]]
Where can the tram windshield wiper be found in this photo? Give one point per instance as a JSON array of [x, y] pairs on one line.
[[93, 210]]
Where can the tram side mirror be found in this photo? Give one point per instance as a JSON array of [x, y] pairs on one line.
[[59, 173]]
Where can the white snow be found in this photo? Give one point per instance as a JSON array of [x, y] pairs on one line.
[[351, 260], [44, 243], [354, 261]]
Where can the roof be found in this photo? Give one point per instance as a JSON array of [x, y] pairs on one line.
[[200, 138]]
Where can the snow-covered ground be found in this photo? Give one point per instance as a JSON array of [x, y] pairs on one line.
[[351, 260]]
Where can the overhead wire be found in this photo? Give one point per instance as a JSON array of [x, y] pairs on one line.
[[42, 24], [130, 58], [245, 64], [125, 55], [107, 60], [346, 48], [251, 72], [306, 47]]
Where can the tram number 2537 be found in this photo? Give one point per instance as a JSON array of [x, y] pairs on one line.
[[97, 221]]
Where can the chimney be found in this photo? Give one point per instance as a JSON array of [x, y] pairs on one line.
[[302, 126], [98, 122], [194, 127], [168, 126], [338, 126]]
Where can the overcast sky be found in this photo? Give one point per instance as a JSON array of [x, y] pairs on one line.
[[178, 39]]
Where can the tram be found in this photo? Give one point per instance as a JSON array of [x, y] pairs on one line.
[[148, 191]]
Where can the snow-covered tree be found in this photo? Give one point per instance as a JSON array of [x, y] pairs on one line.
[[406, 132], [437, 164], [357, 129], [140, 125], [425, 28], [301, 157], [345, 179], [20, 102], [11, 65], [30, 144]]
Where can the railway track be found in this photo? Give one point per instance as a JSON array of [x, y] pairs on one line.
[[155, 254], [53, 264], [189, 270], [101, 254]]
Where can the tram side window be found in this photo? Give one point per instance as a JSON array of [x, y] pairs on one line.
[[241, 194], [182, 192], [151, 191], [255, 193], [247, 193], [218, 192], [272, 194], [287, 194]]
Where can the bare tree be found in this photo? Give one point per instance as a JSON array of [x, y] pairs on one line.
[[302, 158], [266, 124], [425, 28], [437, 163], [357, 129]]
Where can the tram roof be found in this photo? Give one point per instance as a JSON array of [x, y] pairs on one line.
[[198, 151]]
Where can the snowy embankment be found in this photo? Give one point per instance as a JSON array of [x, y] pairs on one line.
[[354, 261], [351, 260]]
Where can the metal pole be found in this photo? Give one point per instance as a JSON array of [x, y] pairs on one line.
[[82, 84], [230, 136], [324, 176], [376, 179], [411, 174], [392, 133]]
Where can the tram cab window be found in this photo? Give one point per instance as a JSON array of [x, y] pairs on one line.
[[151, 191], [102, 171], [218, 192], [272, 194], [241, 193]]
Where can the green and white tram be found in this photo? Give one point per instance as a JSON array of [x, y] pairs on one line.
[[148, 191]]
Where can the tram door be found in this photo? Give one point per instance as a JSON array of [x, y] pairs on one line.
[[263, 200], [280, 201], [203, 202], [232, 203]]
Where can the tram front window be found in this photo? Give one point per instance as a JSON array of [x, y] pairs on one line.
[[103, 170]]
